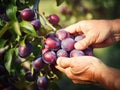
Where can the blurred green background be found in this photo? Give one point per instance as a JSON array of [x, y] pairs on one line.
[[72, 11]]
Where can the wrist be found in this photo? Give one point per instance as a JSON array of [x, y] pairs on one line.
[[110, 78]]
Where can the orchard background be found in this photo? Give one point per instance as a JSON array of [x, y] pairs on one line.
[[15, 31]]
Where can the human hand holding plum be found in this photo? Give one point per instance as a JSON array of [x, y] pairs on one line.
[[98, 33], [81, 70], [89, 70]]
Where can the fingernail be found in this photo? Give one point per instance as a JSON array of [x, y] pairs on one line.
[[78, 46], [58, 60], [63, 62]]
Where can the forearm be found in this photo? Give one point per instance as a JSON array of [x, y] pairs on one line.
[[110, 79], [116, 29]]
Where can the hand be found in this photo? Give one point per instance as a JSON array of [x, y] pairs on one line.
[[98, 33], [89, 70], [81, 70]]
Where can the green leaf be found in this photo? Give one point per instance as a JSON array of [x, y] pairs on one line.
[[59, 2], [2, 42], [16, 27], [4, 29], [11, 13], [16, 51], [8, 59], [13, 1], [28, 28]]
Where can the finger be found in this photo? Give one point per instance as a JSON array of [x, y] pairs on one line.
[[66, 71], [74, 28], [60, 69], [64, 62], [84, 43]]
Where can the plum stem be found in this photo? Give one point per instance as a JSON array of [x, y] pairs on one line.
[[46, 23], [36, 9]]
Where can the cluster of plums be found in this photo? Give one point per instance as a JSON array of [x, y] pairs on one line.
[[25, 50], [29, 15], [61, 44], [57, 44]]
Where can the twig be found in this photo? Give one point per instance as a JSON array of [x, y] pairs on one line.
[[46, 23]]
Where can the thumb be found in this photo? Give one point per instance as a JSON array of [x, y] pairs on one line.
[[83, 44], [73, 29], [64, 62]]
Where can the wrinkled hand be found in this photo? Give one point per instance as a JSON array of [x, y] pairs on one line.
[[81, 70], [98, 33]]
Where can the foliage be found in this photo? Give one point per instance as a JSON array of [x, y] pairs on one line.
[[15, 32]]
